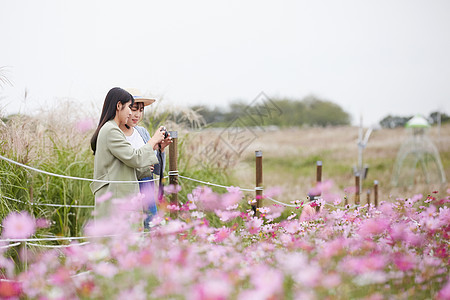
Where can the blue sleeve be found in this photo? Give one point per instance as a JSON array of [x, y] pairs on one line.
[[144, 133]]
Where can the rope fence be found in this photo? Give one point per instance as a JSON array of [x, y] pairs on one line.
[[62, 238], [175, 173], [48, 204], [57, 246], [10, 245], [70, 177]]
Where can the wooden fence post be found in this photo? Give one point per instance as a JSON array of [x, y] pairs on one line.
[[318, 180], [368, 198], [259, 180], [173, 169], [319, 171], [25, 256], [357, 191], [375, 192]]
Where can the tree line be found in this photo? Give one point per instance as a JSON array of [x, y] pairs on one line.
[[400, 121], [310, 111]]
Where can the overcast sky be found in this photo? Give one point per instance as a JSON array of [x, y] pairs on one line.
[[371, 57]]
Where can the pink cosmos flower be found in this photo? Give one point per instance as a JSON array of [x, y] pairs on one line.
[[42, 223], [350, 190], [172, 189], [85, 125], [137, 292], [60, 277], [337, 214], [105, 269], [293, 215], [332, 248], [267, 280], [173, 207], [253, 225], [308, 213], [286, 239], [212, 288], [76, 255], [10, 290], [331, 198], [18, 226], [291, 226], [174, 226], [275, 211], [399, 231], [416, 198], [371, 227], [145, 257], [321, 187], [376, 296], [234, 189], [444, 215], [386, 208], [99, 228], [222, 234], [444, 293], [331, 280], [404, 262], [273, 191], [309, 275], [7, 264], [226, 216], [205, 198], [363, 265], [104, 197], [231, 198], [127, 261]]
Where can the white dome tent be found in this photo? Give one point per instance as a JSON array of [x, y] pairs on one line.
[[418, 152]]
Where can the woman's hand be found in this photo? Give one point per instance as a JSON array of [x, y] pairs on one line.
[[157, 138], [152, 167], [166, 142]]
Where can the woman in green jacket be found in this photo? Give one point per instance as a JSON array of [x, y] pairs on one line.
[[115, 158]]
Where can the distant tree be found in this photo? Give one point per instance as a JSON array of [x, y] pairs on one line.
[[325, 113], [434, 117], [209, 115], [394, 121], [237, 109], [399, 121], [293, 113]]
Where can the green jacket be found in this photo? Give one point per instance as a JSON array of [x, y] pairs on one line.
[[116, 160]]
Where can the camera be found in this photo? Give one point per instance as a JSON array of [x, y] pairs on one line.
[[166, 133]]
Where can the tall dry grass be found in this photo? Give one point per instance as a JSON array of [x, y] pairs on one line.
[[52, 141]]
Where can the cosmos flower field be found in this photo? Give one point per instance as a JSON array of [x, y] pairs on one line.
[[215, 247]]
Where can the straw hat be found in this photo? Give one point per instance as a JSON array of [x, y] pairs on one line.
[[137, 95]]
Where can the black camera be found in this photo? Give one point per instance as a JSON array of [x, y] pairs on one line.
[[166, 133]]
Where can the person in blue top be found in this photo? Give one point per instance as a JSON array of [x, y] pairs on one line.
[[138, 136]]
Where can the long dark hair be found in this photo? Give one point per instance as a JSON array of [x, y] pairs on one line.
[[114, 96]]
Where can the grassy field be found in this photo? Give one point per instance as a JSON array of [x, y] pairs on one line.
[[290, 156]]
